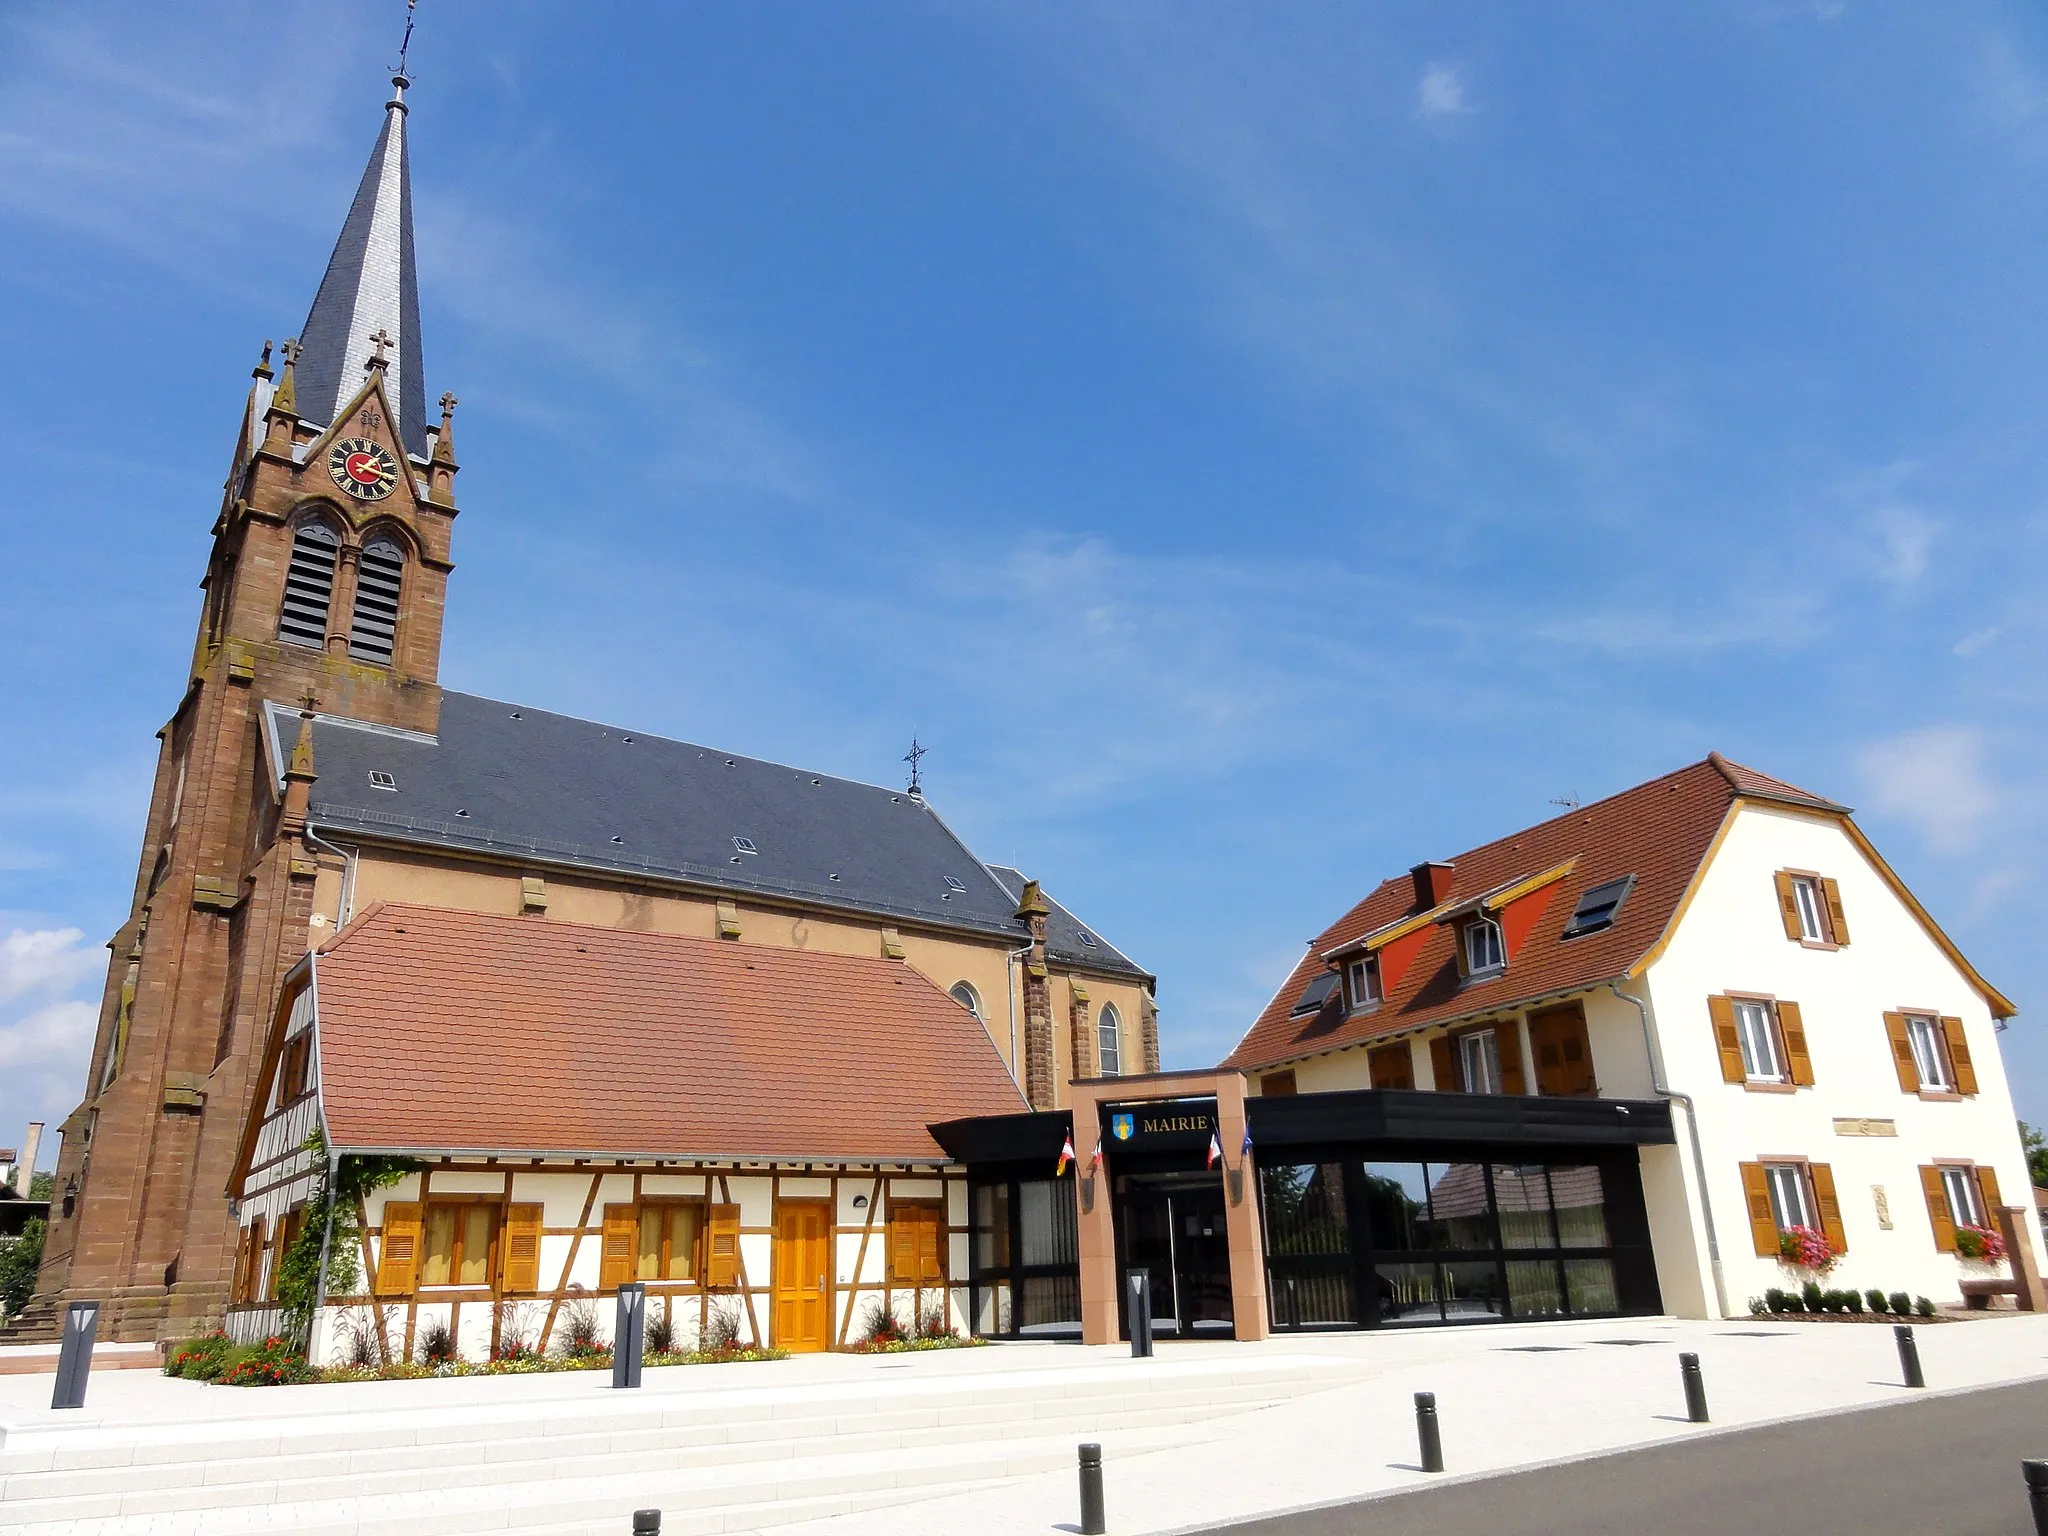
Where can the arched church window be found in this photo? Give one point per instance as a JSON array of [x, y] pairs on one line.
[[309, 585], [964, 994], [379, 578], [1109, 1044]]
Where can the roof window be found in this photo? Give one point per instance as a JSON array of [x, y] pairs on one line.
[[382, 781], [1087, 937], [744, 845], [955, 883], [1598, 907], [1315, 994]]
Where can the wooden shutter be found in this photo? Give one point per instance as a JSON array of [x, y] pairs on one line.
[[1277, 1085], [931, 1238], [621, 1241], [1838, 925], [1937, 1208], [1987, 1186], [1788, 909], [1902, 1052], [1792, 1030], [1722, 1011], [1959, 1055], [1443, 1062], [1507, 1040], [248, 1262], [398, 1257], [1391, 1066], [522, 1247], [722, 1245], [1830, 1208], [1763, 1225], [902, 1246]]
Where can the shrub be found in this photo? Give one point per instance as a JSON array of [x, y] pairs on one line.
[[1780, 1300], [1758, 1307], [436, 1342], [20, 1258], [1877, 1302], [1810, 1293], [1901, 1304], [1852, 1303], [1923, 1306], [273, 1363], [579, 1329]]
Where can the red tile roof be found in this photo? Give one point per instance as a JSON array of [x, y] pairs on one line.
[[1658, 832], [457, 1031]]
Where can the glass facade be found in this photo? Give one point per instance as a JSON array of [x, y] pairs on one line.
[[1378, 1242], [1025, 1252]]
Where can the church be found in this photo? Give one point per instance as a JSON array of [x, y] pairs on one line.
[[633, 1006]]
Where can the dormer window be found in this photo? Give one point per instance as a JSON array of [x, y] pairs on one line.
[[1362, 981], [1485, 952]]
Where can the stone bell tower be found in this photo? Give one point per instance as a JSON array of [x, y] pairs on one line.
[[324, 590]]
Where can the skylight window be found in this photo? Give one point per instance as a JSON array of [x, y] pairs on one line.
[[1599, 906], [744, 845], [1087, 938], [1316, 993], [382, 781], [955, 883]]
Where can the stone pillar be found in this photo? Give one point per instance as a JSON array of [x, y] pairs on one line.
[[1241, 1211], [2019, 1254], [1100, 1282], [1041, 1065], [1148, 1033], [1081, 1035]]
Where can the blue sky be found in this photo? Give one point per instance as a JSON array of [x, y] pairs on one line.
[[1255, 448]]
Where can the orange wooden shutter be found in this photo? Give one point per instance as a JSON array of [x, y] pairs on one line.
[[1792, 1027], [1937, 1208], [1830, 1207], [722, 1245], [398, 1258], [1392, 1066], [904, 1244], [522, 1247], [1277, 1085], [1959, 1055], [621, 1234], [1443, 1062], [1726, 1041], [1513, 1078], [1987, 1186], [1763, 1225], [1902, 1052], [1838, 925], [1788, 909], [930, 1243]]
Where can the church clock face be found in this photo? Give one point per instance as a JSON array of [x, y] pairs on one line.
[[362, 468]]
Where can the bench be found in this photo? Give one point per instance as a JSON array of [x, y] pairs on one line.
[[1977, 1294]]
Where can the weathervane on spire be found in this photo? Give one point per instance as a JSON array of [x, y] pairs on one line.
[[913, 757], [407, 43]]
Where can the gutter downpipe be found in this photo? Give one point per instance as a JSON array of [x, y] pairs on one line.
[[1692, 1128], [348, 875], [1010, 987], [333, 1164]]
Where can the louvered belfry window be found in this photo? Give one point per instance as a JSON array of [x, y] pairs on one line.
[[309, 586], [378, 580]]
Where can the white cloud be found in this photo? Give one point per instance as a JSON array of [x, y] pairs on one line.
[[45, 960], [1441, 93], [1977, 641], [1934, 778], [57, 1037], [1906, 540]]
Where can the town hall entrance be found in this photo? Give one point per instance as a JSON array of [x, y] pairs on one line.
[[1172, 1225]]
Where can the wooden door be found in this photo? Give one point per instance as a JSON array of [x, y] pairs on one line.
[[1564, 1052], [802, 1278]]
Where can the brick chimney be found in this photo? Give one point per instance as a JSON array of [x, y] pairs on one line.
[[1432, 884]]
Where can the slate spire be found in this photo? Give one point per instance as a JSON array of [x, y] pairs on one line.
[[371, 287]]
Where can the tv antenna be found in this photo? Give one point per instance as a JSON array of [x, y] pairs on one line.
[[1569, 802]]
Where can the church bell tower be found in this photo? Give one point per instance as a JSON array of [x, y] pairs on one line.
[[324, 592]]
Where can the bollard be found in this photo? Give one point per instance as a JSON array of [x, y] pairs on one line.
[[1428, 1432], [74, 1355], [1138, 1293], [629, 1335], [1093, 1521], [2037, 1493], [1909, 1356], [1695, 1388], [646, 1522]]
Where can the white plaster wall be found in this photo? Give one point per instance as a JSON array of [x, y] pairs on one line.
[[1732, 939]]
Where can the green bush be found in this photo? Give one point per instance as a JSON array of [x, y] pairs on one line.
[[1923, 1306], [1811, 1294], [1901, 1304], [20, 1258], [1877, 1301], [1852, 1303], [201, 1359]]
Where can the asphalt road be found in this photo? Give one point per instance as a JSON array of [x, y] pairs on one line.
[[1947, 1466]]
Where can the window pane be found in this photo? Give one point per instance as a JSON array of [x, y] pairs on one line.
[[1927, 1052], [1472, 1292], [1305, 1209], [1759, 1040], [1311, 1295], [1533, 1288], [1049, 1304], [992, 1227], [1788, 1195], [1396, 1205], [647, 1265], [1590, 1284], [1050, 1233], [1522, 1195], [1809, 909], [438, 1266], [993, 1303], [1581, 1206], [1961, 1198], [1407, 1293], [1108, 1047], [684, 1222], [1461, 1217], [474, 1267]]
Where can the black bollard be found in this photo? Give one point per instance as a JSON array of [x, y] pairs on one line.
[[1909, 1356], [629, 1335], [74, 1355], [1138, 1311], [2037, 1493], [1428, 1432], [1695, 1388], [646, 1522], [1093, 1521]]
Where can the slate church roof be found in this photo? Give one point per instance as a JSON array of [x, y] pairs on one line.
[[507, 781]]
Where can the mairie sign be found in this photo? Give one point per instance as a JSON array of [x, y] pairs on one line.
[[1164, 1126]]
